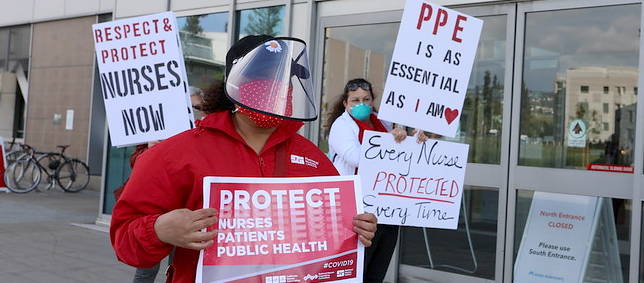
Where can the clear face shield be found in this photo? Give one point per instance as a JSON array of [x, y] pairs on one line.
[[274, 79]]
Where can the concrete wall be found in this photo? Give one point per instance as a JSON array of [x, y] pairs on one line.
[[30, 11], [62, 65]]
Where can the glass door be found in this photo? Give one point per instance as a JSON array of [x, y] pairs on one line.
[[571, 155]]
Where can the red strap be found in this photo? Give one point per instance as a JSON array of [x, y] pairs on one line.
[[377, 126]]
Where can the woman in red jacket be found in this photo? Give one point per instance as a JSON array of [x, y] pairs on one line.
[[248, 135]]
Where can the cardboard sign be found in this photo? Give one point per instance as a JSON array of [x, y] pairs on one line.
[[412, 184], [430, 68], [283, 230], [143, 78], [557, 238]]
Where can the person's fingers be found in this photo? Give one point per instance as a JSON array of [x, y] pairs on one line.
[[364, 225], [369, 217], [199, 245], [203, 213], [199, 236], [364, 233], [365, 241], [204, 223]]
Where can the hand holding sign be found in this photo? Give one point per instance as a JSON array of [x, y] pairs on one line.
[[430, 68], [182, 228], [143, 78]]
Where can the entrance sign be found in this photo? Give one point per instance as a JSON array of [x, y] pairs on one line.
[[577, 133], [283, 230], [143, 78], [557, 238], [412, 184], [430, 68]]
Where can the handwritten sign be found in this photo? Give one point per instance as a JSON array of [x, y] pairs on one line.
[[430, 68], [143, 78], [412, 184], [557, 238], [283, 230]]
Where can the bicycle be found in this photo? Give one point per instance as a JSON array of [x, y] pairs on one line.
[[25, 174], [14, 151]]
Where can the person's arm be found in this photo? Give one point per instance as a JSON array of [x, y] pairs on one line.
[[150, 217], [344, 141]]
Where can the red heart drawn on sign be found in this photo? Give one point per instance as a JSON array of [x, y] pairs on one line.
[[450, 114]]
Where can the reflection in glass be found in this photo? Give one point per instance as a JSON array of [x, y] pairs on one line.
[[482, 119], [642, 250], [469, 250], [365, 51], [268, 20], [579, 87], [14, 63], [607, 222], [362, 51], [204, 39]]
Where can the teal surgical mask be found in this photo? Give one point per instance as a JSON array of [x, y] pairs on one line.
[[361, 111]]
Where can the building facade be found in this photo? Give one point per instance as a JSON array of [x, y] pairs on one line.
[[540, 66]]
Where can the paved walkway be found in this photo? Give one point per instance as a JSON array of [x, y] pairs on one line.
[[41, 240]]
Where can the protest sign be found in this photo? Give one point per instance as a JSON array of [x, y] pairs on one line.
[[283, 230], [143, 78], [412, 184], [557, 238], [430, 68]]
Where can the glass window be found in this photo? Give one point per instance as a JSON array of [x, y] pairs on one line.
[[4, 47], [362, 51], [482, 120], [642, 250], [19, 48], [564, 51], [365, 51], [605, 107], [469, 250], [204, 39], [606, 90], [117, 171], [14, 59], [584, 89], [268, 20], [553, 233]]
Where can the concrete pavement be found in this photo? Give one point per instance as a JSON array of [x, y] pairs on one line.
[[43, 238]]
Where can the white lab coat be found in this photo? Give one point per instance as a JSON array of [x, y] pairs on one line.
[[344, 146]]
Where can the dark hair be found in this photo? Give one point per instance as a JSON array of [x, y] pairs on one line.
[[215, 100], [338, 107], [242, 47]]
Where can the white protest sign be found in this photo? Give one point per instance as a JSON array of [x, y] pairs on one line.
[[430, 68], [412, 184], [142, 78], [556, 240]]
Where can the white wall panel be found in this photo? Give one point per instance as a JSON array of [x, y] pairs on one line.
[[300, 22], [16, 12], [106, 6], [129, 8], [48, 9], [81, 7], [345, 7], [178, 5]]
